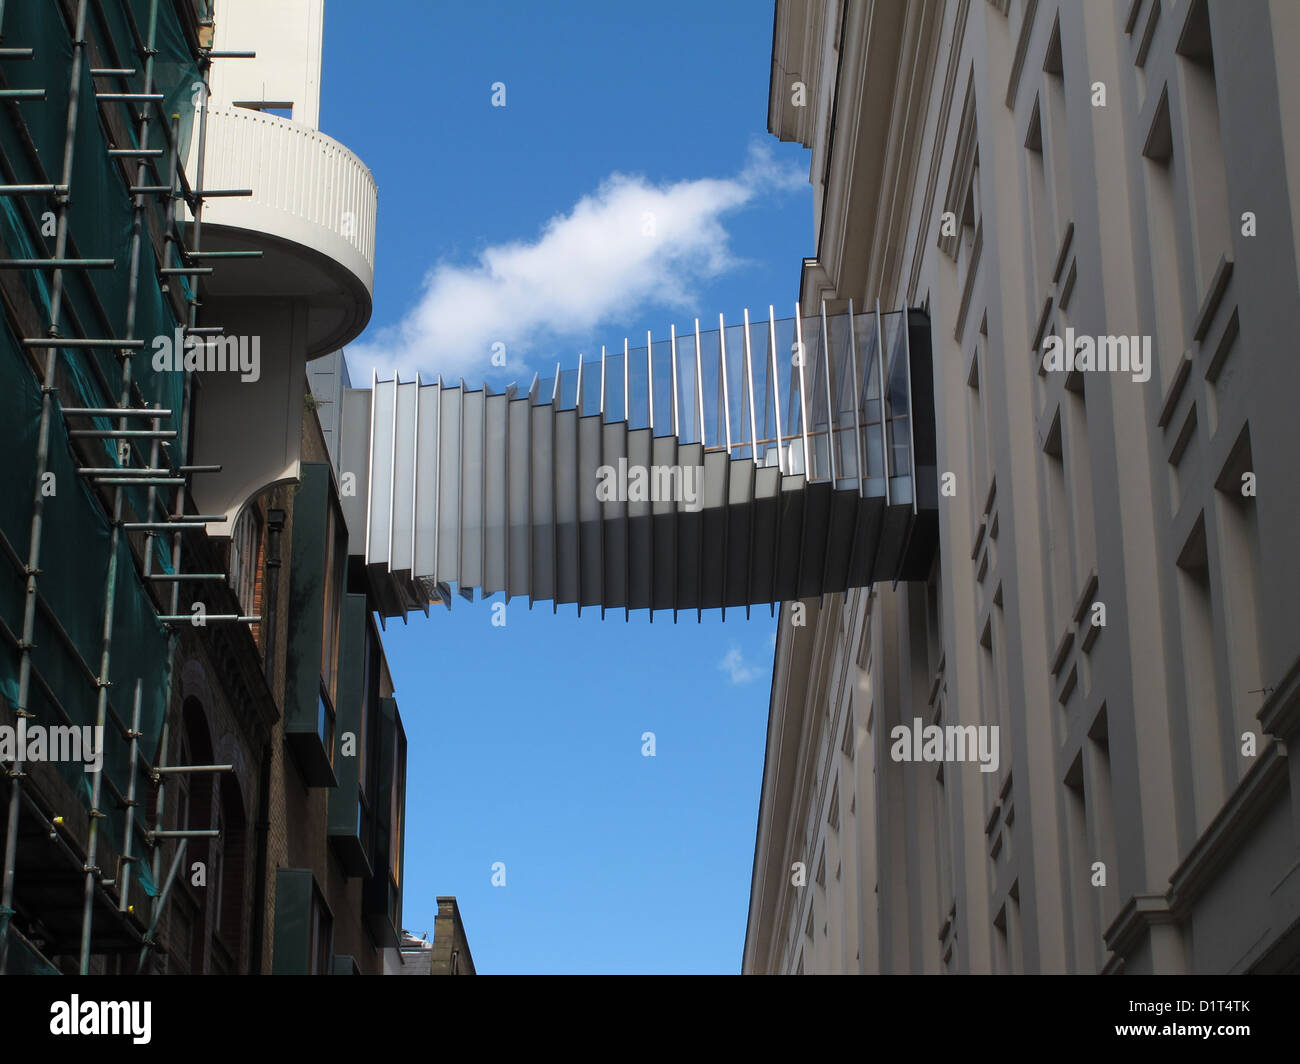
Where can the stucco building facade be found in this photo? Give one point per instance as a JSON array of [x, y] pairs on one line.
[[1114, 589]]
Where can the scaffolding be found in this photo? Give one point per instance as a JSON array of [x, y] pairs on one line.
[[107, 432]]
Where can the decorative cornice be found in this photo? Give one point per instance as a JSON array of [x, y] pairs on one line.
[[1253, 797], [1139, 913], [1280, 714], [1247, 805]]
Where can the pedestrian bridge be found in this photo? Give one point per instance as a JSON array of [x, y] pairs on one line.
[[758, 462]]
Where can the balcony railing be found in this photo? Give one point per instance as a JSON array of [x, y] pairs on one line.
[[745, 390]]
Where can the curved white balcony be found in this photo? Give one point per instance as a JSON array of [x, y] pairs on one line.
[[312, 214]]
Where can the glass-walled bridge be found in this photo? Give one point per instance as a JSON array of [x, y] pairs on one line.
[[753, 463]]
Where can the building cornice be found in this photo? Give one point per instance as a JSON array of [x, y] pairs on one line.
[[798, 27], [1254, 797], [887, 56], [1280, 714]]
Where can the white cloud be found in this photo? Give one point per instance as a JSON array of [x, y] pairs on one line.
[[628, 243], [733, 662]]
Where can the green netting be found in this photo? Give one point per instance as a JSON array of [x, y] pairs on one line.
[[154, 315], [75, 548], [100, 209], [75, 551], [100, 212], [175, 73]]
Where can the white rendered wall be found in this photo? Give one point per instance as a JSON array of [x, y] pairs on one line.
[[287, 37]]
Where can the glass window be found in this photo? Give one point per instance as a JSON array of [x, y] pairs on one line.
[[244, 550], [335, 561], [322, 936], [325, 723], [369, 706], [398, 807]]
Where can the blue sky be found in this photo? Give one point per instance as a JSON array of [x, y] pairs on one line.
[[516, 224]]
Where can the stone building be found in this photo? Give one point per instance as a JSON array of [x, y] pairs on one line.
[[1114, 591]]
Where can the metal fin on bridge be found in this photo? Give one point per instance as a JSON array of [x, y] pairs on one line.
[[753, 463]]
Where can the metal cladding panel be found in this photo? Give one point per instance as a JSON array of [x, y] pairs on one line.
[[740, 518], [862, 564], [839, 540], [402, 521], [638, 473], [666, 476], [639, 531], [354, 464], [449, 474], [381, 473], [790, 537], [672, 484], [518, 491], [495, 512], [549, 496], [767, 486], [590, 531], [713, 537], [812, 557], [615, 518], [542, 584], [566, 506], [426, 484], [689, 523], [470, 573]]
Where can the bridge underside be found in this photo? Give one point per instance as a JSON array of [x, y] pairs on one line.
[[760, 481]]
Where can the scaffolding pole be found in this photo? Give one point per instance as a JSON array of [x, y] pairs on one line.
[[149, 941], [115, 533], [124, 871], [42, 460], [178, 507], [125, 474], [155, 860]]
